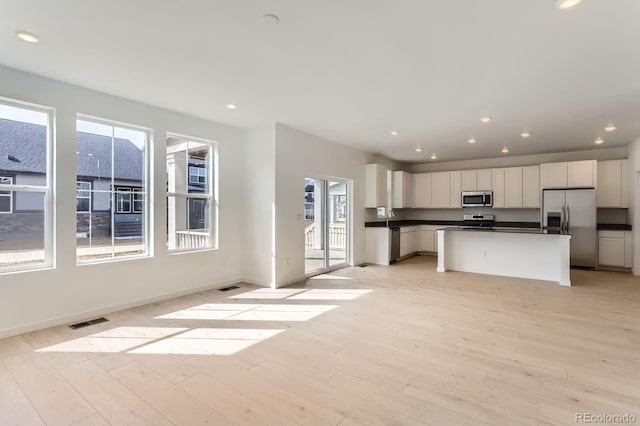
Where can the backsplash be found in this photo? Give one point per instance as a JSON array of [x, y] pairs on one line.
[[605, 215], [616, 216], [501, 215]]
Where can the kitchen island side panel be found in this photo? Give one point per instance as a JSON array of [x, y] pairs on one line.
[[522, 255]]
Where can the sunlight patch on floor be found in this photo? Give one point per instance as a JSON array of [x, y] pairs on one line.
[[118, 339], [250, 312], [268, 293], [166, 340], [208, 341], [330, 294], [329, 277]]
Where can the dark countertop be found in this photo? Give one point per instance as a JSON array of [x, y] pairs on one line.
[[383, 224], [533, 225], [507, 230], [613, 227]]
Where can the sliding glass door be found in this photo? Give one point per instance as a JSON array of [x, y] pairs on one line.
[[326, 214]]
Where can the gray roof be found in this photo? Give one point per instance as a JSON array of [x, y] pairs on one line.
[[22, 149]]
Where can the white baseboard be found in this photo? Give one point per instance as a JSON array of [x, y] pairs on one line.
[[79, 316]]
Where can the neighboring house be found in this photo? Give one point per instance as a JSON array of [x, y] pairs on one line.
[[22, 161]]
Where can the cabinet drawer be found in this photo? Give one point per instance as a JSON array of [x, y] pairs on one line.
[[405, 229], [611, 234]]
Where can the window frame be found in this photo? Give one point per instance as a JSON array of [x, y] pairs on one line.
[[136, 192], [147, 225], [9, 194], [83, 198], [209, 192], [46, 190], [198, 175], [119, 190]]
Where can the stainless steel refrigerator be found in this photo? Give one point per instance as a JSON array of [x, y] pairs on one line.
[[576, 209]]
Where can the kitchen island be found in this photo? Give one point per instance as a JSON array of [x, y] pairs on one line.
[[520, 253]]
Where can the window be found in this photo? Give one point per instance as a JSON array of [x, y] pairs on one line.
[[197, 175], [115, 158], [191, 207], [83, 196], [138, 200], [26, 198], [123, 205], [6, 197]]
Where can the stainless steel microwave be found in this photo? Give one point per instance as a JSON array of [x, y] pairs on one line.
[[477, 198]]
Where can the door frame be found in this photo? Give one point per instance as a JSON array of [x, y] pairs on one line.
[[325, 225]]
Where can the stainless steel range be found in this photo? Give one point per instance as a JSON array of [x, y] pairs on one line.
[[475, 221]]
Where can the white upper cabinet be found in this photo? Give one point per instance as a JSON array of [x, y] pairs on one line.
[[513, 187], [483, 180], [375, 186], [476, 180], [582, 173], [531, 187], [613, 183], [422, 190], [455, 190], [497, 183], [553, 175], [569, 175], [440, 190], [402, 192], [469, 180]]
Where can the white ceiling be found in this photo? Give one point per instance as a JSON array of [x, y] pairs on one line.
[[351, 71]]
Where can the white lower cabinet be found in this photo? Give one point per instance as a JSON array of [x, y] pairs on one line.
[[408, 240], [420, 238], [615, 248], [428, 238]]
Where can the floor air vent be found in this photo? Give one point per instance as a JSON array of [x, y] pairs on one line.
[[88, 323], [233, 287]]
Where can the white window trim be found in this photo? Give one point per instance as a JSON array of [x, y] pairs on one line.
[[148, 222], [139, 192], [211, 194], [83, 198], [201, 172], [123, 190], [45, 190], [9, 195]]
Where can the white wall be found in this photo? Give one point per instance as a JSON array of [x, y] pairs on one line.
[[634, 208], [30, 300], [259, 198], [300, 155]]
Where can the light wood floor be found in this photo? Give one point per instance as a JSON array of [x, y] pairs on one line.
[[398, 345]]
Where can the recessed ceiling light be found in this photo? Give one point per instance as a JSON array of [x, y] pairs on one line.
[[505, 150], [472, 140], [610, 128], [599, 141], [525, 134], [270, 18], [418, 149], [434, 157], [485, 119], [27, 36], [567, 4], [232, 106], [394, 133]]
